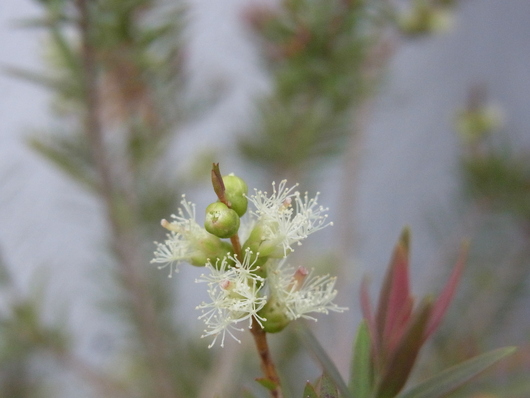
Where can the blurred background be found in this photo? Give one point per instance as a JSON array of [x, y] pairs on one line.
[[398, 112]]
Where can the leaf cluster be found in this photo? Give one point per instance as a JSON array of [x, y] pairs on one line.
[[387, 343], [318, 54]]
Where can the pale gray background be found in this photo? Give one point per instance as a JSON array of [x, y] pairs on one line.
[[408, 176]]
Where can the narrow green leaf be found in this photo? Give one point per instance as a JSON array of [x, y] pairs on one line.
[[361, 377], [33, 77], [267, 383], [312, 344], [67, 52], [309, 391], [68, 156], [327, 387], [449, 379]]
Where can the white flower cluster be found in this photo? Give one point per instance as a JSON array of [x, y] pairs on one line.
[[285, 223], [240, 289], [235, 291], [298, 292], [179, 245]]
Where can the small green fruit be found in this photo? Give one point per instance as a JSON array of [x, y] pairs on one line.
[[221, 221], [235, 191]]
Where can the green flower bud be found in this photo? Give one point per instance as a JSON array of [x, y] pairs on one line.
[[235, 191], [275, 318], [265, 247], [221, 221], [210, 248]]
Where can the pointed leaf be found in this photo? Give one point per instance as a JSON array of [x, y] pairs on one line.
[[33, 77], [395, 291], [309, 391], [400, 364], [361, 377], [399, 299], [444, 299], [267, 383], [312, 344], [450, 379], [67, 155], [67, 52], [327, 387]]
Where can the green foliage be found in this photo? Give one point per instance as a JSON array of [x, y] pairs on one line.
[[495, 178], [326, 389], [26, 337], [331, 371], [501, 181], [309, 391], [361, 373], [443, 383], [116, 74], [317, 54]]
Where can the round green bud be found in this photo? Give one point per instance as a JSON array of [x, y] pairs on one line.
[[221, 221], [275, 317], [235, 191]]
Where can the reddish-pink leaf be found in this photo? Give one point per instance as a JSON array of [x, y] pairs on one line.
[[401, 324], [395, 292], [399, 299], [444, 299], [400, 364]]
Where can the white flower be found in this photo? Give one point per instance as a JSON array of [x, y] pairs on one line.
[[300, 293], [283, 222], [235, 291], [180, 245]]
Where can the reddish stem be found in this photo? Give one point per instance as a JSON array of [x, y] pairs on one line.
[[267, 366]]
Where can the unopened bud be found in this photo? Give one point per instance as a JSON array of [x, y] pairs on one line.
[[209, 249], [275, 317], [235, 191], [221, 221]]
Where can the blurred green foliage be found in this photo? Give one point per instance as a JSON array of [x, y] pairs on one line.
[[325, 60], [321, 56]]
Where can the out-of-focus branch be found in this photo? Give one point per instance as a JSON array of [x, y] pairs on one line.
[[124, 238]]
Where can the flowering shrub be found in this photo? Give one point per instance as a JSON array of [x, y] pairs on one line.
[[250, 283]]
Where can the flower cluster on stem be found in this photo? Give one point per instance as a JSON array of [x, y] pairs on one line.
[[249, 281]]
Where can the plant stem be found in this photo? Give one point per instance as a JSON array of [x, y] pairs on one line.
[[260, 336], [124, 236], [267, 366], [236, 244]]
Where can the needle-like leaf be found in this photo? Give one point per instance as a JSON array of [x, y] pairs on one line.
[[448, 380]]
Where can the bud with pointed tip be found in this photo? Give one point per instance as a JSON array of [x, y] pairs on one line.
[[221, 221]]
